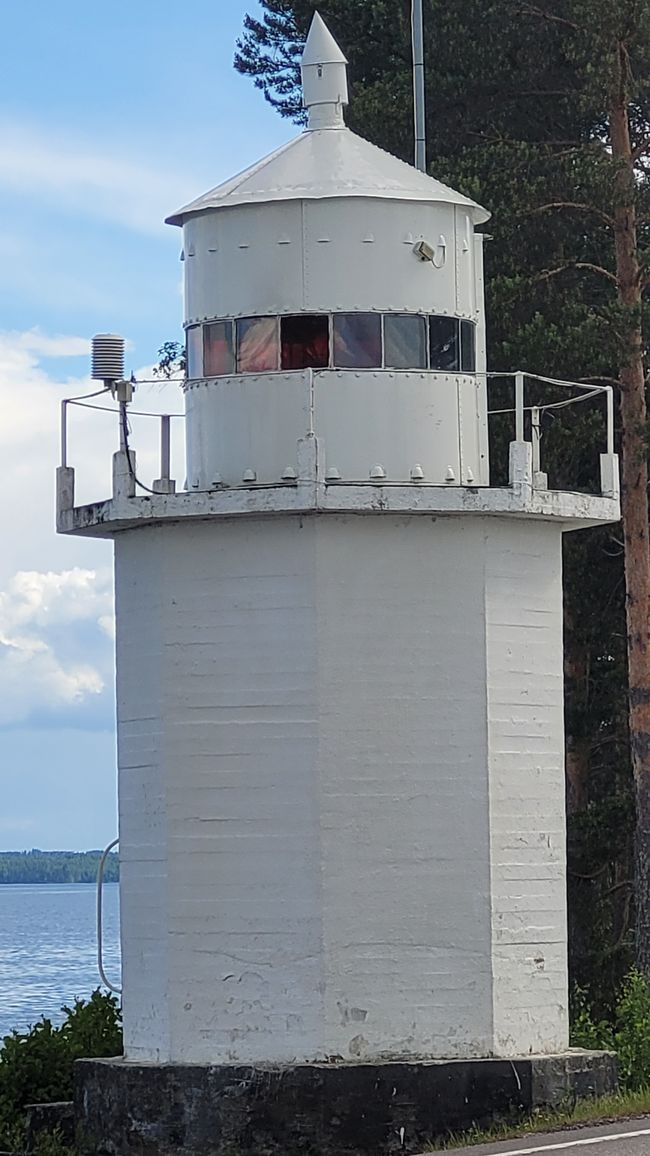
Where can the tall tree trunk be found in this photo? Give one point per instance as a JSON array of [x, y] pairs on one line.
[[634, 497], [576, 692]]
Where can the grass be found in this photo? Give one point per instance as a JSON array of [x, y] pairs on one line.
[[598, 1110]]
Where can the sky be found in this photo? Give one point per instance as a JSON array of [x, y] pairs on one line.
[[111, 117]]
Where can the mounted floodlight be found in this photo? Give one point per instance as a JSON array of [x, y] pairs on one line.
[[108, 358], [424, 251]]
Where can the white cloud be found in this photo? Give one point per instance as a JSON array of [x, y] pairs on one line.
[[33, 341], [33, 675], [81, 178], [30, 401], [35, 598], [56, 610]]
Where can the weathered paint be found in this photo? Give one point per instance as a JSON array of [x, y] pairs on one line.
[[396, 419], [312, 493], [340, 789]]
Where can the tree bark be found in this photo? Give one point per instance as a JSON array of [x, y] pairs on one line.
[[634, 495], [578, 743]]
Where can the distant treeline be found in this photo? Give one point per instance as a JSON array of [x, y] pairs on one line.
[[55, 867]]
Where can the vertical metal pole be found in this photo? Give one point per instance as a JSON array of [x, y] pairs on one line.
[[519, 407], [417, 24], [64, 433], [165, 446], [536, 434], [610, 420], [123, 421], [312, 401]]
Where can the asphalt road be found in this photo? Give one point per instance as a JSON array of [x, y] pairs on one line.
[[629, 1138]]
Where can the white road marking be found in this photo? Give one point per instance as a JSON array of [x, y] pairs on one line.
[[576, 1143]]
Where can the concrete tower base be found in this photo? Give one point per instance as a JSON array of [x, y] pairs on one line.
[[341, 789], [127, 1109]]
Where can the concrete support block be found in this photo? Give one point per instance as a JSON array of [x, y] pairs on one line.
[[123, 474], [43, 1119], [311, 459], [64, 489], [336, 1109], [164, 486], [521, 466], [609, 475]]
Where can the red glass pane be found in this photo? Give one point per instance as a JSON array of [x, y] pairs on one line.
[[305, 342], [257, 345]]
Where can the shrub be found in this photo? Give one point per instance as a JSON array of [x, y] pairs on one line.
[[36, 1066], [632, 1035], [585, 1031], [628, 1035]]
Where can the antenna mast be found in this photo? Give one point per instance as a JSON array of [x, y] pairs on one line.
[[418, 85]]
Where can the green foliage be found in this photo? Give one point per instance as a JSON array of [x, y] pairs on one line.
[[628, 1033], [172, 360], [36, 1066], [587, 1032], [632, 1036], [56, 867]]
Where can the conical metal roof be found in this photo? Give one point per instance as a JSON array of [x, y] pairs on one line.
[[328, 163], [320, 45]]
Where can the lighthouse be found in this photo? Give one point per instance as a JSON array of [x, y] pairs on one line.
[[339, 684]]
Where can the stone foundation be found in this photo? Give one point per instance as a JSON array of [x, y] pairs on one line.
[[128, 1109]]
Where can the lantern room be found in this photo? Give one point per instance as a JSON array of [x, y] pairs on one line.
[[332, 288]]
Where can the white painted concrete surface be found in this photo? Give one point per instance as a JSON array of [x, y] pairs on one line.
[[340, 788]]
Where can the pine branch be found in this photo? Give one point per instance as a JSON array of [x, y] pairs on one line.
[[641, 149], [547, 273], [533, 10], [579, 206]]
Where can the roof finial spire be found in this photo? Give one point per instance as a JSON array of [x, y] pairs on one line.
[[324, 77]]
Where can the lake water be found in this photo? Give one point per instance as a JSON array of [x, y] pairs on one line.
[[48, 948]]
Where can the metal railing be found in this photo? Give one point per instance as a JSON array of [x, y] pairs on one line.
[[520, 410], [123, 416], [100, 919], [528, 417]]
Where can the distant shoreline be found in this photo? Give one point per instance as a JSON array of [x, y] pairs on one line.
[[56, 867]]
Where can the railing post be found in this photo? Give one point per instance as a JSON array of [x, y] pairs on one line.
[[165, 446], [610, 419], [64, 433], [536, 438], [165, 484], [519, 407]]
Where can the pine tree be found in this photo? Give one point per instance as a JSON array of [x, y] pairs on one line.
[[542, 113]]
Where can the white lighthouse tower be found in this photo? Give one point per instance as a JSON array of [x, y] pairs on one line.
[[339, 670]]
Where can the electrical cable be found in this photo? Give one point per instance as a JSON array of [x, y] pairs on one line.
[[124, 420]]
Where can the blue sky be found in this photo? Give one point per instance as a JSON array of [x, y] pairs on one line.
[[110, 118]]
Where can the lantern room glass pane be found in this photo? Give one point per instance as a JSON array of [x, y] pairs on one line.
[[357, 340], [305, 341], [405, 341], [257, 345], [444, 344], [468, 347], [193, 338], [218, 350]]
